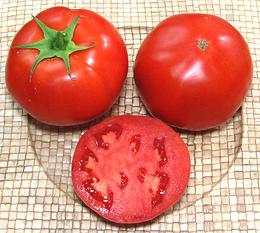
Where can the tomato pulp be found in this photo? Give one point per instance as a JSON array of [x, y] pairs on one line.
[[130, 169], [83, 70], [193, 71]]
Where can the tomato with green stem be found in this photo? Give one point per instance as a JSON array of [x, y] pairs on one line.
[[66, 67]]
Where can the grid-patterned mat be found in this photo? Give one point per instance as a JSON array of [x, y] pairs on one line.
[[35, 160]]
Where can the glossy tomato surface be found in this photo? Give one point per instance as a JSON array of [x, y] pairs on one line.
[[130, 169], [193, 71], [97, 74]]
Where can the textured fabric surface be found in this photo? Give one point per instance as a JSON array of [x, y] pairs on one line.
[[223, 194]]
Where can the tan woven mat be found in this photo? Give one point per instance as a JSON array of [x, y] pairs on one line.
[[223, 195]]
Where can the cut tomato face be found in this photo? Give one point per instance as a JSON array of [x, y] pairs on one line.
[[130, 169]]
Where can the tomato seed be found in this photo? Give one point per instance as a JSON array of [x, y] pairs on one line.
[[124, 180], [135, 143], [142, 173], [158, 196], [105, 201], [159, 146]]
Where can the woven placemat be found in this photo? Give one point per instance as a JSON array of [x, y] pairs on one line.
[[223, 194]]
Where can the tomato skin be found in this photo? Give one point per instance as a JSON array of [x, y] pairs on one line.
[[185, 86], [97, 74], [129, 175]]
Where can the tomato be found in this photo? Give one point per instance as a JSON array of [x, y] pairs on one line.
[[66, 67], [130, 169], [193, 71]]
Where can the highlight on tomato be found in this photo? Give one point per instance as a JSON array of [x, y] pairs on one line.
[[130, 169], [193, 71], [66, 67]]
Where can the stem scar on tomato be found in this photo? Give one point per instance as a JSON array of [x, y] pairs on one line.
[[202, 44], [55, 44]]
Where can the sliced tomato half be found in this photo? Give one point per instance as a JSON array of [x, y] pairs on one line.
[[130, 169]]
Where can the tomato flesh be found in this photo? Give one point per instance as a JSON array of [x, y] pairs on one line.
[[130, 169]]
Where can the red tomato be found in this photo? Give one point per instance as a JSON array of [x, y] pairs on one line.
[[97, 73], [193, 71], [130, 169]]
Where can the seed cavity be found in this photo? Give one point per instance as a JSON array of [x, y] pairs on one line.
[[124, 180], [159, 147], [135, 143], [105, 201], [157, 196], [108, 135], [88, 160], [91, 183], [142, 174]]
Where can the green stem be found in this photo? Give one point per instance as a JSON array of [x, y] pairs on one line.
[[55, 44], [60, 41]]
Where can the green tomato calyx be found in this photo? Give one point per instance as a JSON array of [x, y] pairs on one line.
[[60, 41], [55, 44]]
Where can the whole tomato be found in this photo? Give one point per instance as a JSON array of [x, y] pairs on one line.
[[193, 71], [66, 67]]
